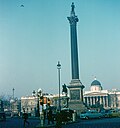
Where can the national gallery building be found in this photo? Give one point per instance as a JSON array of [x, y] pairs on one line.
[[97, 96]]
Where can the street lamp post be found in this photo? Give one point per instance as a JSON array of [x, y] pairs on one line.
[[13, 103], [59, 67], [13, 92], [39, 96]]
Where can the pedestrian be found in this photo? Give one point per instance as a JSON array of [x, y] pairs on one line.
[[50, 117], [25, 118], [59, 119]]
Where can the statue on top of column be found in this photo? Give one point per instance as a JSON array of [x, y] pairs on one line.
[[73, 6]]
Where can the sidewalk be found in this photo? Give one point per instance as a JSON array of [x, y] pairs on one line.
[[54, 125], [46, 126]]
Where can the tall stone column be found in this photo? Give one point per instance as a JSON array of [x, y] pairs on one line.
[[75, 87], [74, 49]]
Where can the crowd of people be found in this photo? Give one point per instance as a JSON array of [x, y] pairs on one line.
[[51, 117]]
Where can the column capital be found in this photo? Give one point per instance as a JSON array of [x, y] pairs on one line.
[[73, 19]]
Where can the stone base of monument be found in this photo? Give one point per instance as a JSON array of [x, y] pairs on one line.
[[76, 96], [78, 106]]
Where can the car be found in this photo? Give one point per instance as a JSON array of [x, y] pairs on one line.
[[106, 113], [66, 114], [114, 113], [14, 115], [91, 114]]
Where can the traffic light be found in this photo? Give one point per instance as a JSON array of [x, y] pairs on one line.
[[48, 102], [41, 100]]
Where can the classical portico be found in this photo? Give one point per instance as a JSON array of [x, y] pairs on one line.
[[96, 95], [99, 98]]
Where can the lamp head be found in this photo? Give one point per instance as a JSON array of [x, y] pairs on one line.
[[59, 65]]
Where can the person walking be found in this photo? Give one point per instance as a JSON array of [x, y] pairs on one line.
[[25, 118], [59, 119], [50, 117]]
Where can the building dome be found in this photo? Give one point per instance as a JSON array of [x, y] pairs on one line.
[[96, 85], [95, 82]]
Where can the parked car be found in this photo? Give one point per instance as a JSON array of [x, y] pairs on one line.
[[106, 113], [91, 114], [66, 114], [8, 113], [114, 113], [15, 115]]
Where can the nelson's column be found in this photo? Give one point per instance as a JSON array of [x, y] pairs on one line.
[[75, 87]]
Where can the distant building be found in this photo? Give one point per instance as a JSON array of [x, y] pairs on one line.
[[1, 106], [15, 107], [98, 96], [114, 98], [29, 104]]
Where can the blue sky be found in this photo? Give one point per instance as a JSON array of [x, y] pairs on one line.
[[35, 37]]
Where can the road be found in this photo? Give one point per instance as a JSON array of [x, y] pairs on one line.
[[96, 123], [93, 123], [18, 123]]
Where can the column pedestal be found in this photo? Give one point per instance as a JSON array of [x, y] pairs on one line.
[[76, 96]]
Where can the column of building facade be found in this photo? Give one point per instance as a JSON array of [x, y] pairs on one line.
[[97, 99], [106, 101], [88, 101], [94, 100], [112, 101], [85, 100], [115, 99], [104, 104], [101, 99], [91, 101]]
